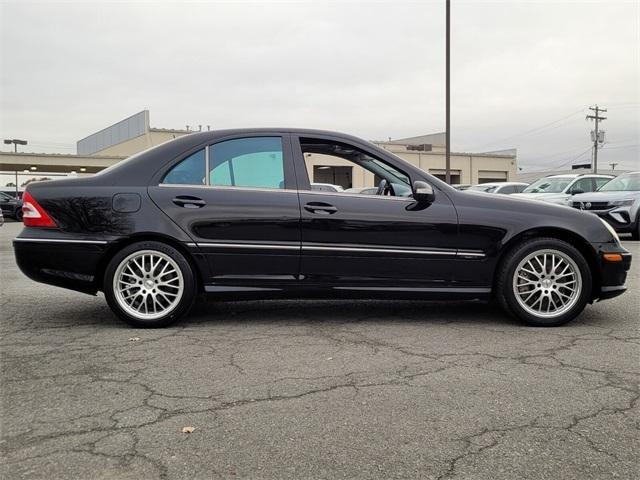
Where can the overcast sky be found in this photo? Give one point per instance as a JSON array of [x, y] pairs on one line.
[[523, 73]]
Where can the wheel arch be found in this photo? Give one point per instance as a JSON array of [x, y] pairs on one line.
[[572, 238], [118, 245]]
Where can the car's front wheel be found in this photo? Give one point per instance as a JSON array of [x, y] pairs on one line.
[[149, 284], [544, 282]]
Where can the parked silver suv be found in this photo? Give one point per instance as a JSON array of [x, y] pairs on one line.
[[617, 202], [559, 188]]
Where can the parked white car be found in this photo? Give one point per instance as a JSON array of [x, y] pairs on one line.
[[559, 188], [617, 202], [326, 187], [362, 190], [504, 188]]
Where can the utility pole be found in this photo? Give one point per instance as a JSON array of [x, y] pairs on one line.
[[595, 135], [613, 166], [447, 168]]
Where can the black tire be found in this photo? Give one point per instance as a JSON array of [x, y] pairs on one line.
[[636, 233], [183, 301], [18, 214], [504, 288]]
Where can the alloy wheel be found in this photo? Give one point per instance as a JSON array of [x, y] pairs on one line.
[[547, 283], [148, 284]]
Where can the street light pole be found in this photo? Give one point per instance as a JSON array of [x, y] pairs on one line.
[[16, 142], [448, 95]]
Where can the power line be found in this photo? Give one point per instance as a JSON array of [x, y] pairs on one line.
[[558, 167], [620, 146], [533, 130]]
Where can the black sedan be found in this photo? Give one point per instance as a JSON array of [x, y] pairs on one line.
[[11, 206], [232, 214]]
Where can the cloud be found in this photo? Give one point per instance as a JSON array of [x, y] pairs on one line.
[[374, 69]]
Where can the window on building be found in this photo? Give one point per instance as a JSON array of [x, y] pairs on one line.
[[247, 162], [190, 171], [441, 174], [492, 176]]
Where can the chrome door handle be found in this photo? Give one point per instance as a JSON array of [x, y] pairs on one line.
[[187, 201], [320, 207]]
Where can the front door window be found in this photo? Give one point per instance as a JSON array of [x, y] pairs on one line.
[[335, 166]]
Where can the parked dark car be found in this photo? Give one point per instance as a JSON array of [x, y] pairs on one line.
[[232, 214], [11, 191], [11, 206]]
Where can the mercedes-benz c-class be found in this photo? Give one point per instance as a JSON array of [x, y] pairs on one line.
[[233, 214]]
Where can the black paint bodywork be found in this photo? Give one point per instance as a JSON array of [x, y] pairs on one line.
[[372, 246]]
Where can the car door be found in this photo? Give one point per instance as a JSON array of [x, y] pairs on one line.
[[355, 241], [236, 198]]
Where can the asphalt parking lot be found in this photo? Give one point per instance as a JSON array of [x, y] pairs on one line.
[[313, 389]]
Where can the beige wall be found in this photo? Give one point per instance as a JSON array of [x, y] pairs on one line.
[[471, 167], [47, 162]]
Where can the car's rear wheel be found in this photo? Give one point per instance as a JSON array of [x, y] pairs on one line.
[[544, 282], [149, 284], [18, 214]]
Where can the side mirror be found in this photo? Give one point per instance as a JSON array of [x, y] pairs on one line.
[[423, 192], [576, 191]]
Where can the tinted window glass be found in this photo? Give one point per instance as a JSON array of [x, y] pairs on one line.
[[507, 189], [601, 181], [247, 162], [548, 185], [338, 166], [584, 184], [190, 171], [624, 183]]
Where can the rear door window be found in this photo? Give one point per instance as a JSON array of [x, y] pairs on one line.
[[255, 162]]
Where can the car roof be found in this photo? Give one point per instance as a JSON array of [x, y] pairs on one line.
[[499, 184], [576, 175]]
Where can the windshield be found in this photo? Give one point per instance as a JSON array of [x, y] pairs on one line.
[[623, 183], [548, 185], [483, 188]]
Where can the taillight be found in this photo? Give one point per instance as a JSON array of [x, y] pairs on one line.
[[33, 215]]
